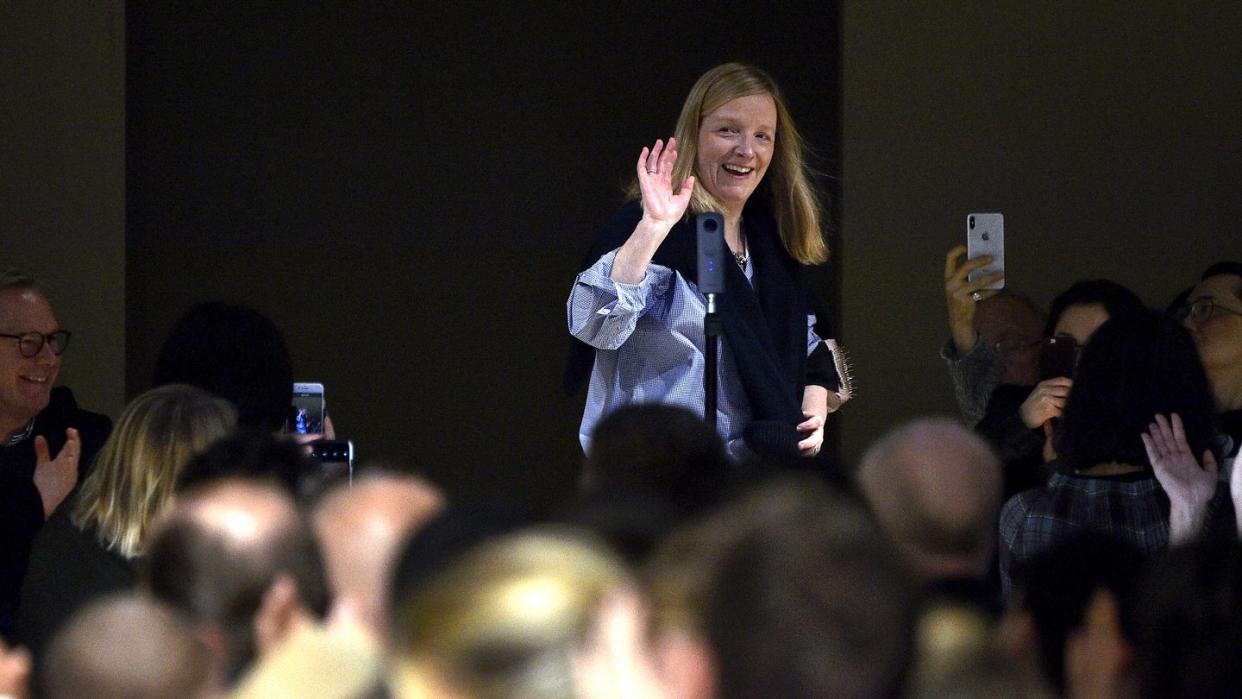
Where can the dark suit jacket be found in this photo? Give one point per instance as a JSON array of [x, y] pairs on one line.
[[21, 508]]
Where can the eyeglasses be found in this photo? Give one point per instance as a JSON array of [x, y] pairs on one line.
[[30, 344], [1201, 309]]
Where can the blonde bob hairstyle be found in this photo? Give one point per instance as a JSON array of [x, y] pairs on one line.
[[792, 198], [137, 468]]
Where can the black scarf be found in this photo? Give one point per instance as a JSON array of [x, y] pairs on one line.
[[765, 325]]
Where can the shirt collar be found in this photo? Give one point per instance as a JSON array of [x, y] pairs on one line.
[[21, 436]]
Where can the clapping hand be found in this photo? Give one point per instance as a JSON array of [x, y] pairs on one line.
[[54, 478], [1189, 484]]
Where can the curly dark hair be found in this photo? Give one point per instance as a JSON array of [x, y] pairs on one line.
[[1137, 365]]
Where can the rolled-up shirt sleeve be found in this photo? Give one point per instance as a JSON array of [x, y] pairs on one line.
[[602, 312]]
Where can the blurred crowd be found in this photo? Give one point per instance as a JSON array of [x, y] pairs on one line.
[[1074, 532]]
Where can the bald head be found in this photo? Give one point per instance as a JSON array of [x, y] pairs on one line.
[[361, 529], [127, 646], [222, 548], [241, 513], [935, 487]]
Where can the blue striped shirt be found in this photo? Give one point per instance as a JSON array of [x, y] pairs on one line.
[[649, 348]]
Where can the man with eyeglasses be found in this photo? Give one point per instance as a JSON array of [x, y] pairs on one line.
[[1213, 314], [44, 436]]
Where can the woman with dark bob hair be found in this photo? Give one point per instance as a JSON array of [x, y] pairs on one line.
[[636, 306], [1137, 366]]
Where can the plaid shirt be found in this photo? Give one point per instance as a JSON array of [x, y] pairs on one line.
[[1131, 507]]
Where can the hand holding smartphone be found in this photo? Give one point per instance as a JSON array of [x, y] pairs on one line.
[[985, 235], [307, 417]]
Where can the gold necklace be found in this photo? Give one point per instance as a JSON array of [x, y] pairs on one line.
[[742, 256]]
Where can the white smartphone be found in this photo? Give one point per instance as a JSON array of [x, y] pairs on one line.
[[306, 411], [985, 235]]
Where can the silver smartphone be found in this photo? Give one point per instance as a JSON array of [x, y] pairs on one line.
[[985, 235], [306, 411]]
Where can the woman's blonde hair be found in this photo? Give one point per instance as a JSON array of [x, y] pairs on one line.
[[792, 198], [137, 468], [504, 620]]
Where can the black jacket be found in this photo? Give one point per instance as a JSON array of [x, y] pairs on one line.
[[21, 508]]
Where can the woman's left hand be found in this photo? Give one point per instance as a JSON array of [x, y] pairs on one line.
[[815, 410]]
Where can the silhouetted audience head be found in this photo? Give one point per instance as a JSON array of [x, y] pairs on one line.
[[935, 488], [660, 449], [236, 353], [825, 605], [790, 591], [1188, 638], [361, 530], [137, 469], [454, 531], [504, 620], [1056, 586], [237, 557], [253, 454], [127, 647], [1136, 366]]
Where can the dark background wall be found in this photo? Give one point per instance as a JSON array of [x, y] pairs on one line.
[[408, 191], [1107, 133], [62, 177]]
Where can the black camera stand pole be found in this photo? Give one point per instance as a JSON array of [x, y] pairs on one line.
[[709, 228]]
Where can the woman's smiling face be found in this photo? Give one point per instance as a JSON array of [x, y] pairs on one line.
[[735, 146]]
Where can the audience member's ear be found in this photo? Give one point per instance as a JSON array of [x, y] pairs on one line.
[[1097, 652], [278, 615], [685, 664]]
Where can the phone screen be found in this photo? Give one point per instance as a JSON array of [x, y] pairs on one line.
[[306, 412]]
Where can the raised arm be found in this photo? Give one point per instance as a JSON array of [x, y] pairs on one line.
[[1188, 483], [961, 295], [662, 209]]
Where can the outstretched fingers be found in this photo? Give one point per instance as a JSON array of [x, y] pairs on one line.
[[668, 158], [41, 450], [950, 261]]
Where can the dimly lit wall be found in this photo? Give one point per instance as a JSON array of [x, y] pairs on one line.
[[1106, 133], [62, 177]]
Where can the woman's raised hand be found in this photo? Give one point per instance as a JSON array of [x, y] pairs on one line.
[[662, 209], [661, 204]]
